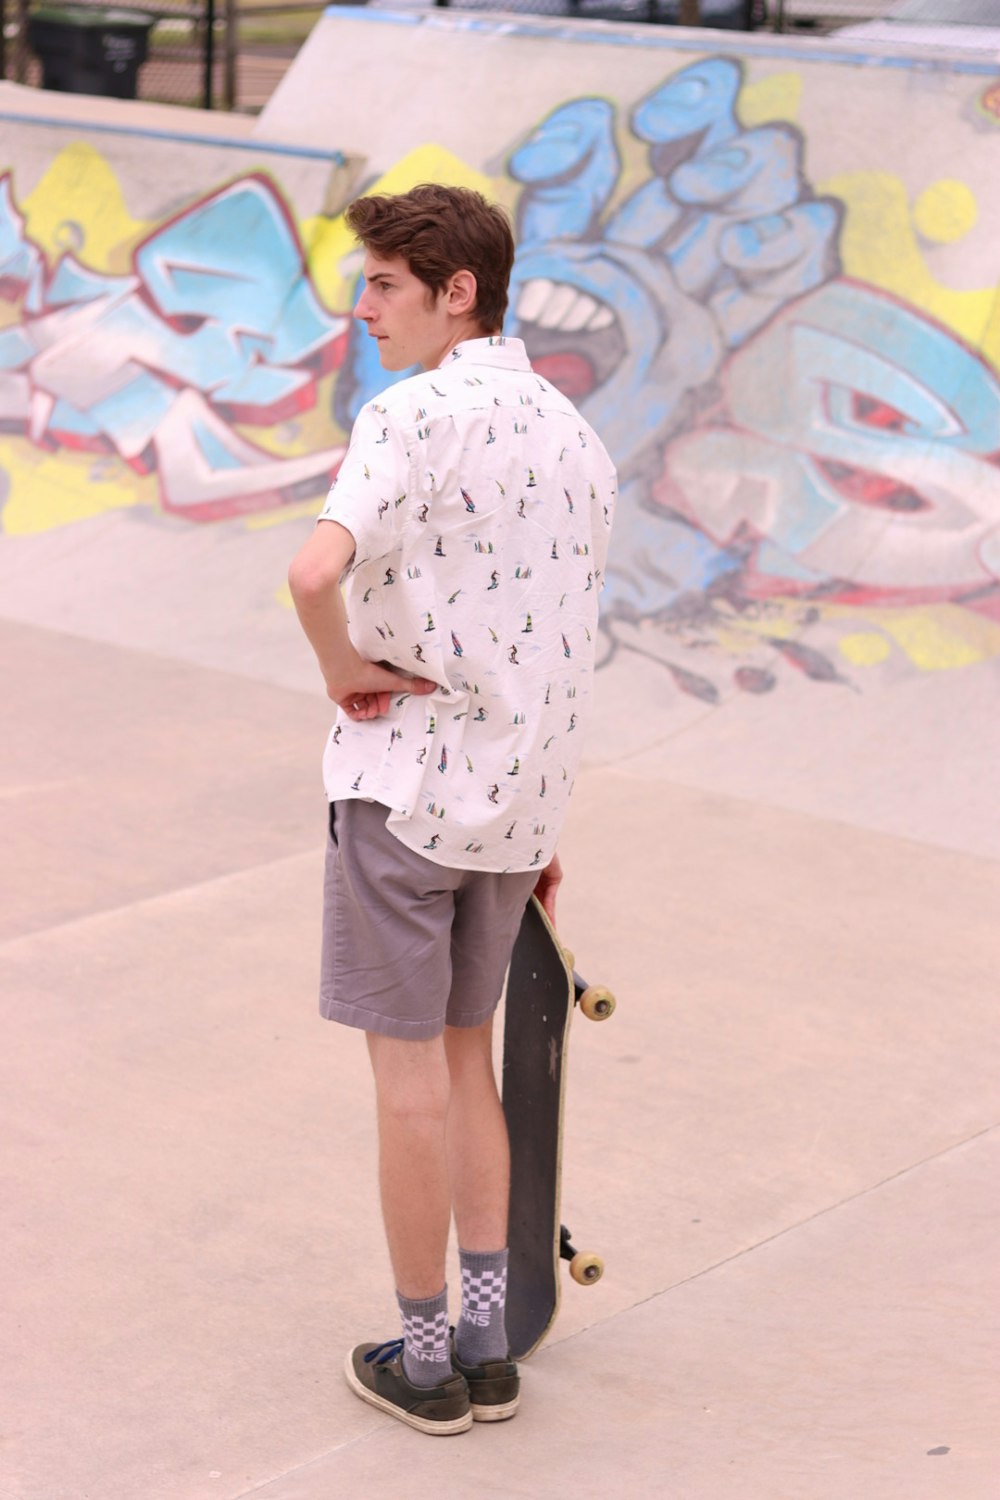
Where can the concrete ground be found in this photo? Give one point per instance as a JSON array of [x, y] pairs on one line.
[[784, 1143]]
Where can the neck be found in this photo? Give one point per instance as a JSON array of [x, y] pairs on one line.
[[468, 330]]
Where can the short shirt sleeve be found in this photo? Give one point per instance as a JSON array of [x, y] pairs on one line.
[[370, 495]]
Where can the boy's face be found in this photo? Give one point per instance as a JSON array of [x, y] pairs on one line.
[[411, 323]]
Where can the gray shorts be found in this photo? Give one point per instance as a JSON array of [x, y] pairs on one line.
[[410, 946]]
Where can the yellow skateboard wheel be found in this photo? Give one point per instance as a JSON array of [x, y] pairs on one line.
[[586, 1268], [597, 1003]]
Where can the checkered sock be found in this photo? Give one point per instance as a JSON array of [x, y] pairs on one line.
[[481, 1334], [426, 1359]]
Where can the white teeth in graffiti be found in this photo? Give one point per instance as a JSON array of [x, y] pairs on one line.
[[550, 306], [582, 313], [603, 318], [558, 308], [533, 299]]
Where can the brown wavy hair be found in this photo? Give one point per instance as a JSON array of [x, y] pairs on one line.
[[439, 230]]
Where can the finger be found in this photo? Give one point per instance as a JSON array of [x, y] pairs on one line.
[[762, 177], [570, 165], [382, 678], [697, 106], [803, 238], [367, 705], [700, 101]]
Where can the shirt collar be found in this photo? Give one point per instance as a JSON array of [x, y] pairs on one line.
[[499, 352]]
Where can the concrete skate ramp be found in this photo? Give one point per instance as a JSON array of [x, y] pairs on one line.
[[781, 313], [768, 271], [777, 296]]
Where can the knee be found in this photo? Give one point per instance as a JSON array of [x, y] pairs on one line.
[[411, 1081], [414, 1110], [469, 1051]]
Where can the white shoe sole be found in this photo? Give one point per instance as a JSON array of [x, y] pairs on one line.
[[421, 1424], [495, 1413]]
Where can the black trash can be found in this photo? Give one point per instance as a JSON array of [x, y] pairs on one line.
[[87, 50]]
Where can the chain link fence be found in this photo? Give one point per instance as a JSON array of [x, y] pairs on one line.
[[231, 54], [730, 15], [725, 15], [212, 54], [172, 51]]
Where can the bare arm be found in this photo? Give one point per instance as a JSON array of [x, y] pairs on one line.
[[361, 688]]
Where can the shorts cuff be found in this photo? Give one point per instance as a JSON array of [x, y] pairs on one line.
[[470, 1018], [368, 1020]]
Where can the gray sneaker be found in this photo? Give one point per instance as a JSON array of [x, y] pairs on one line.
[[494, 1387], [375, 1373]]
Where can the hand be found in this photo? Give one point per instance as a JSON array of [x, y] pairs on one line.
[[364, 689], [548, 884]]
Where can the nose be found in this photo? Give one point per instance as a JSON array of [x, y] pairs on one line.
[[361, 309]]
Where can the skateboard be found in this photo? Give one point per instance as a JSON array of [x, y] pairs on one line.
[[542, 993]]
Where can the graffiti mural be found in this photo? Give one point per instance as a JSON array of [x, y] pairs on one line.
[[789, 440], [804, 459], [217, 325], [806, 421]]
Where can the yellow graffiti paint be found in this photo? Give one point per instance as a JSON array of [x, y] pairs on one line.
[[326, 243], [776, 619], [935, 637], [733, 641], [54, 489], [943, 636], [946, 211], [864, 648], [283, 596], [79, 206], [991, 332], [774, 98], [879, 245], [329, 241]]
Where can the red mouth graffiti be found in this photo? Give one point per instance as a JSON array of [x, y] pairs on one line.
[[570, 373], [571, 338]]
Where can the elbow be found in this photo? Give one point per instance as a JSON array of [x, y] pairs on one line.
[[309, 579], [318, 568]]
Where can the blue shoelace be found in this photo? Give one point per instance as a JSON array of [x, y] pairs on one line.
[[382, 1354]]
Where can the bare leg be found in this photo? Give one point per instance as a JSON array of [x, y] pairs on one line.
[[412, 1087], [478, 1150], [442, 1142]]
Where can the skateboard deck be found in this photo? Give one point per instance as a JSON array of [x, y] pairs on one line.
[[542, 993]]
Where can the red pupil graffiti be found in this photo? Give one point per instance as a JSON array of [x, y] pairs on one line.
[[875, 413], [862, 487]]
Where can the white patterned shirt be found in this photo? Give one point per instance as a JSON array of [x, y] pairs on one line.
[[480, 503]]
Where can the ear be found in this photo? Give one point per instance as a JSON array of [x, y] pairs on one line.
[[461, 293]]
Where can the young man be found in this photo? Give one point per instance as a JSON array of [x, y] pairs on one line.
[[469, 524]]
